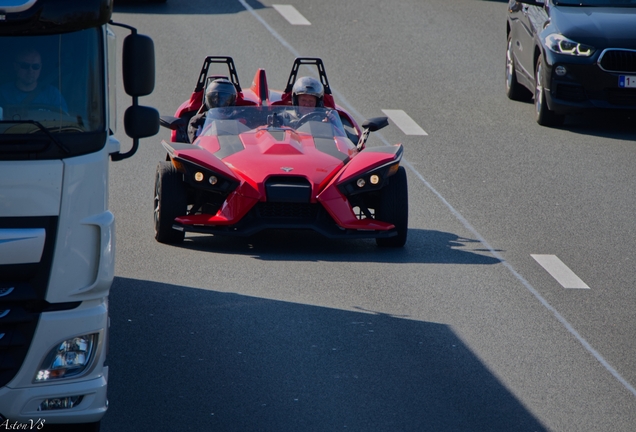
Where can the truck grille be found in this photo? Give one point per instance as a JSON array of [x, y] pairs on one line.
[[22, 293]]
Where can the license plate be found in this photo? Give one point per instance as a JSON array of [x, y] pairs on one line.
[[627, 81]]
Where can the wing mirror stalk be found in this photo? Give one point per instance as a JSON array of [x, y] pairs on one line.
[[371, 125]]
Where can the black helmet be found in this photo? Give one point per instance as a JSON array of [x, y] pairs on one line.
[[310, 86], [220, 93]]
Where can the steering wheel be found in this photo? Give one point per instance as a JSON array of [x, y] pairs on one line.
[[309, 116]]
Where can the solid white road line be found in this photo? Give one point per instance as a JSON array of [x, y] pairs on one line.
[[404, 122], [291, 14], [566, 277]]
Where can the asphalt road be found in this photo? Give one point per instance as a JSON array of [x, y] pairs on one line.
[[462, 329]]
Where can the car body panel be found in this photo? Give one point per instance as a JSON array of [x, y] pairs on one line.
[[258, 165], [585, 85]]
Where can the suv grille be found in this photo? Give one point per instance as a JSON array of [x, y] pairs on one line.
[[623, 97], [570, 92], [618, 60]]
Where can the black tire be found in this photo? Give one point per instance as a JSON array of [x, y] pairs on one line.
[[394, 208], [543, 115], [170, 202], [514, 90]]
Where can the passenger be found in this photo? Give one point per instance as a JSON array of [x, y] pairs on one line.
[[26, 89], [220, 93]]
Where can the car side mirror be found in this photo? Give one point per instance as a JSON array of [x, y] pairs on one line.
[[375, 123], [371, 125], [171, 122]]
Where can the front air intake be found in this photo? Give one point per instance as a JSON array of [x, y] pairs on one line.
[[288, 189]]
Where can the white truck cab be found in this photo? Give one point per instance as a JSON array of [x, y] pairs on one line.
[[57, 236]]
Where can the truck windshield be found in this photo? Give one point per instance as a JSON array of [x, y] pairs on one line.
[[52, 84]]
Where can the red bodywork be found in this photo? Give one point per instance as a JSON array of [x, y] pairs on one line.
[[295, 155]]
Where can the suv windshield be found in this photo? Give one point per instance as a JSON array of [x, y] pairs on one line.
[[51, 84]]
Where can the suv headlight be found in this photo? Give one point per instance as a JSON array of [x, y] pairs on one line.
[[562, 45], [68, 359]]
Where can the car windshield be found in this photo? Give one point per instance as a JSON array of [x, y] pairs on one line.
[[604, 3], [235, 120], [52, 84]]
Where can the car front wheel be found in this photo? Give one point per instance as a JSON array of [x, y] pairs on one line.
[[543, 115], [170, 202], [514, 90], [394, 208]]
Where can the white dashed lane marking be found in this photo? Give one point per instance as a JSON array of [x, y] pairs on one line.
[[404, 122], [291, 14], [566, 277]]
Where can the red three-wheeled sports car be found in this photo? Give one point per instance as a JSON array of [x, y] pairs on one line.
[[260, 165]]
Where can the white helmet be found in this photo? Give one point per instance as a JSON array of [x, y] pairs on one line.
[[310, 86]]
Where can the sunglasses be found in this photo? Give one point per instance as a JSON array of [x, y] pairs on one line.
[[26, 66]]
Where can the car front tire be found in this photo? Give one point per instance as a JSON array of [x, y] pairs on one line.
[[514, 90], [394, 208], [170, 202], [543, 115]]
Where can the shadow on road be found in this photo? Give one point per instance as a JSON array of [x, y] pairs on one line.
[[422, 246], [181, 7], [194, 359]]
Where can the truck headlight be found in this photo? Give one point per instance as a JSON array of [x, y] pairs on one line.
[[68, 359]]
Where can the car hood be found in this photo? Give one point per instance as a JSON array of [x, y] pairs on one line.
[[600, 27], [257, 156]]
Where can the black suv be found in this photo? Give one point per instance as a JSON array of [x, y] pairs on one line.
[[571, 55]]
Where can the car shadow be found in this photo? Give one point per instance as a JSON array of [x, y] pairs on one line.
[[181, 7], [196, 359], [605, 124], [602, 123], [422, 246]]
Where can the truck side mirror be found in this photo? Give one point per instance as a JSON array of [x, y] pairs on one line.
[[141, 121], [138, 65]]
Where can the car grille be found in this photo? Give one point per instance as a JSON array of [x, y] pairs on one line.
[[572, 93], [622, 97], [269, 210], [618, 60]]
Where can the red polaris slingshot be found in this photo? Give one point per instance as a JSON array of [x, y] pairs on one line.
[[251, 169]]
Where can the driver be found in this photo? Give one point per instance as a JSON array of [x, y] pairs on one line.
[[220, 93], [307, 93], [26, 89]]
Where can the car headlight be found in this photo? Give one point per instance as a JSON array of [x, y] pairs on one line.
[[369, 181], [68, 359], [562, 45], [204, 178]]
